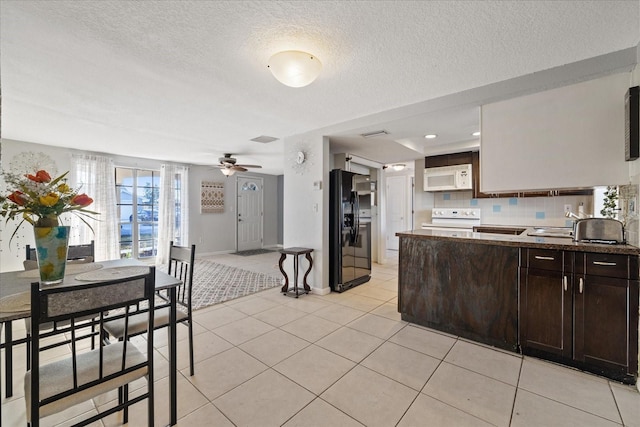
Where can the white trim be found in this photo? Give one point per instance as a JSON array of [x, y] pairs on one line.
[[320, 291]]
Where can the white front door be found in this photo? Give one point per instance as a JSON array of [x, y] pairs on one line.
[[249, 213], [396, 209]]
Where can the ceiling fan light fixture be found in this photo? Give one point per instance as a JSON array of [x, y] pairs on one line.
[[294, 68], [227, 172]]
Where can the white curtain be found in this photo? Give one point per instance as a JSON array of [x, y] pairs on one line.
[[95, 175], [173, 218]]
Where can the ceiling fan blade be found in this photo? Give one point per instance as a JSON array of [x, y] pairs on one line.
[[249, 166], [238, 168]]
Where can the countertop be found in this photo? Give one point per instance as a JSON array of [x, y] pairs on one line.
[[521, 240]]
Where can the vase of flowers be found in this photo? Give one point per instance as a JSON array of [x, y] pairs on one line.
[[40, 200]]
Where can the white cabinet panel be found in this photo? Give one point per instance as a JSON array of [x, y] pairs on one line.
[[569, 137]]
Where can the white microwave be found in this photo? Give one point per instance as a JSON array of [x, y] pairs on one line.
[[448, 178]]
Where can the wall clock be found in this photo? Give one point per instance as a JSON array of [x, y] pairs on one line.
[[300, 158]]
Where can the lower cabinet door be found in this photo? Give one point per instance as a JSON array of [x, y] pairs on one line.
[[545, 312], [606, 322]]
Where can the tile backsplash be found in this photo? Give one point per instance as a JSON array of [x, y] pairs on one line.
[[526, 211]]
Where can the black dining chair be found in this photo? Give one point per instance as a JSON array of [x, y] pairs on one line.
[[181, 263], [84, 374]]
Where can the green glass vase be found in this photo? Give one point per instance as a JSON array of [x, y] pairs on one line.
[[52, 244]]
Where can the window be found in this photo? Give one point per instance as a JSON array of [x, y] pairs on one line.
[[137, 193], [250, 186]]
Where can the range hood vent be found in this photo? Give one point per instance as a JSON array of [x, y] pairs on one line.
[[374, 134]]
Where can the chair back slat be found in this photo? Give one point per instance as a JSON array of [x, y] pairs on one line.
[[58, 305], [74, 354], [81, 251]]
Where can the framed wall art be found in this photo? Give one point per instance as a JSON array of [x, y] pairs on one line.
[[211, 197]]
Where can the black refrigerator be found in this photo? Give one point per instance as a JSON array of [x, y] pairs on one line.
[[349, 237]]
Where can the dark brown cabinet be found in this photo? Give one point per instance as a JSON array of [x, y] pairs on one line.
[[452, 159], [606, 312], [581, 309], [546, 302]]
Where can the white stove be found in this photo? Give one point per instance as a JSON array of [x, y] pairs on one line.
[[453, 219]]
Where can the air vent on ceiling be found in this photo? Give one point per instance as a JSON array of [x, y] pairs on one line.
[[264, 139], [376, 133]]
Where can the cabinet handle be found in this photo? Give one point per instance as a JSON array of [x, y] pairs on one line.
[[546, 258], [564, 281], [581, 284], [608, 264]]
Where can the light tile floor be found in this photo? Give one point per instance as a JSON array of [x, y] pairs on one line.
[[349, 360]]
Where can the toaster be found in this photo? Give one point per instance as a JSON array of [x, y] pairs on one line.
[[599, 230]]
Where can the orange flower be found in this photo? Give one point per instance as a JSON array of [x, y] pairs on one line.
[[50, 199], [41, 176], [17, 197], [81, 200]]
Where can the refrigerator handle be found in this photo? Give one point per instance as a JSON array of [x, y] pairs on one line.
[[356, 216]]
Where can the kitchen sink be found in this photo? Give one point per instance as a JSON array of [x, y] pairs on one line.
[[498, 230], [562, 232]]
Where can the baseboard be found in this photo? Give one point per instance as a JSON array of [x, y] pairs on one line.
[[321, 291], [206, 254]]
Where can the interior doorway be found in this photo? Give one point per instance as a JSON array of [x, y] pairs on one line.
[[396, 208], [250, 213]]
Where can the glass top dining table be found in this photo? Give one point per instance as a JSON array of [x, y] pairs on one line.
[[14, 293]]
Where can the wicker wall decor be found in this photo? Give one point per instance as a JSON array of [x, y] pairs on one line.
[[211, 197]]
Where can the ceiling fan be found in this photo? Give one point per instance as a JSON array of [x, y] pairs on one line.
[[228, 165]]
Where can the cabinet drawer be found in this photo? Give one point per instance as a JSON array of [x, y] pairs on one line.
[[607, 265], [545, 259]]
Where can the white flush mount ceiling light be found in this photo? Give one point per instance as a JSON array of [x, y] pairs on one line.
[[475, 134], [398, 166], [431, 136], [295, 68]]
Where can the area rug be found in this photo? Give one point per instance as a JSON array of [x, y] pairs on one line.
[[214, 283], [253, 252]]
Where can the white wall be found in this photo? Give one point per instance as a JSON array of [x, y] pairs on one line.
[[632, 226], [634, 178], [423, 201], [306, 211], [217, 231]]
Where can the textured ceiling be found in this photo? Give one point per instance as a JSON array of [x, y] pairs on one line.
[[187, 80]]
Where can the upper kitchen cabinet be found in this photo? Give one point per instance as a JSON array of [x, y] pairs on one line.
[[569, 137]]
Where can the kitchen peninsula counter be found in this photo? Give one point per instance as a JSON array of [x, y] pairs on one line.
[[469, 284]]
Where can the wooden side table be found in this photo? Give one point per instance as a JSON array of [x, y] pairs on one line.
[[296, 252]]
